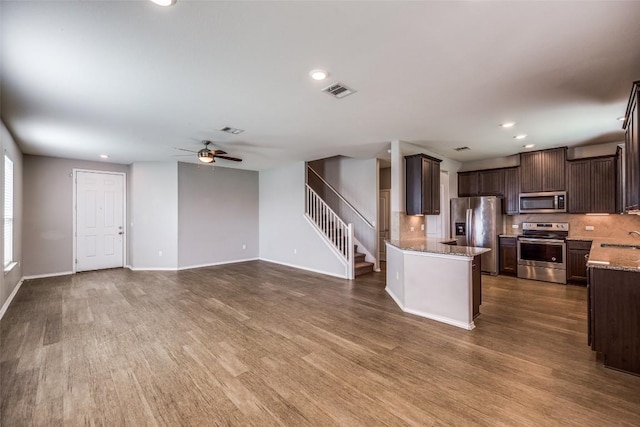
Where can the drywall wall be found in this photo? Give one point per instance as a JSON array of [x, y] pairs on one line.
[[48, 212], [9, 281], [154, 216], [285, 235], [217, 215]]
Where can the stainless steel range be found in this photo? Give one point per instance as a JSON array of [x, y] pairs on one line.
[[542, 251]]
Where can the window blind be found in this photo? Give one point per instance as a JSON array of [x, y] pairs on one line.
[[8, 211]]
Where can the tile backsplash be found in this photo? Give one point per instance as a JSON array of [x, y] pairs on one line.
[[610, 226]]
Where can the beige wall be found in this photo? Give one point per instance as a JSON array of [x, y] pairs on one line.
[[217, 215], [48, 212]]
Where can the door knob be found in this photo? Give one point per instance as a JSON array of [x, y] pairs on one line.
[[121, 232]]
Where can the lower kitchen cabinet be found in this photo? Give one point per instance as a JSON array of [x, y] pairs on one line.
[[577, 254], [476, 280], [614, 317], [508, 256]]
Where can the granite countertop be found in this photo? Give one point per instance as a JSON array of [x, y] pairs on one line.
[[627, 259], [437, 246]]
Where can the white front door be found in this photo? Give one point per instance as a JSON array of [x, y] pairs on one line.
[[99, 220]]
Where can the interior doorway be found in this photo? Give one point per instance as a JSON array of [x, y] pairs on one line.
[[99, 219]]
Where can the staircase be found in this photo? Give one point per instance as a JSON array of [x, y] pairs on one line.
[[338, 233], [360, 265]]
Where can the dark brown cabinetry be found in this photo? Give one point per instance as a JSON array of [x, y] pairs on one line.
[[508, 256], [476, 278], [511, 191], [481, 183], [632, 151], [543, 170], [591, 185], [614, 317], [577, 254], [467, 184], [422, 185]]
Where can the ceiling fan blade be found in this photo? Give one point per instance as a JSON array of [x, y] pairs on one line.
[[233, 159], [216, 152], [184, 149]]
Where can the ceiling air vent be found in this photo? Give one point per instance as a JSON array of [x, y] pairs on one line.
[[231, 130], [462, 148], [338, 90]]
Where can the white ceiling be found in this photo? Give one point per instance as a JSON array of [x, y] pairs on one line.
[[134, 80]]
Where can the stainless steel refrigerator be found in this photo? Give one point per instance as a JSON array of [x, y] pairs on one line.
[[477, 221]]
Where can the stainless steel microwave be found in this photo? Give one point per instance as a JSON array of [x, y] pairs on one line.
[[547, 202]]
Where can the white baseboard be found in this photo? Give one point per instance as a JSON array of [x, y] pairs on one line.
[[151, 268], [44, 276], [313, 270], [442, 319], [235, 261], [5, 306]]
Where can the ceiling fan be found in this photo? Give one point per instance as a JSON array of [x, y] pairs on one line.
[[207, 155]]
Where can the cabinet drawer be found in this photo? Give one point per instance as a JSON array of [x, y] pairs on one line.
[[579, 245]]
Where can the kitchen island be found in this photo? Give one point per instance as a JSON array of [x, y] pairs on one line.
[[614, 302], [432, 278]]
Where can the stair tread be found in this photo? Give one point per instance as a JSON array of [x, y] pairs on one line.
[[363, 264]]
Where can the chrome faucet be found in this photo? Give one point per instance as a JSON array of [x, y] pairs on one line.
[[632, 232]]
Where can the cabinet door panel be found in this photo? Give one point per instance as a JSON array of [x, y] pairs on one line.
[[579, 190], [577, 265], [491, 183], [435, 188], [427, 189], [413, 185], [467, 184], [603, 185], [553, 168], [530, 175], [508, 256], [511, 190]]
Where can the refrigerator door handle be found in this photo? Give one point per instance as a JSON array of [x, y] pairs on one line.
[[469, 221]]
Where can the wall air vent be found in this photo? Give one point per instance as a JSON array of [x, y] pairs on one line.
[[462, 148], [231, 130], [338, 90]]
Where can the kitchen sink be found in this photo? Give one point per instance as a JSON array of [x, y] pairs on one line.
[[619, 246]]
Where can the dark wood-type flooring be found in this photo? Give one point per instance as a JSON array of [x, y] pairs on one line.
[[261, 344]]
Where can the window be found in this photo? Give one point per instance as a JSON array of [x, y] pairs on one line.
[[8, 211]]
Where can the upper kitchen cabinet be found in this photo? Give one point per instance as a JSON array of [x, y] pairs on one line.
[[543, 170], [632, 151], [481, 183], [467, 184], [592, 185], [511, 190], [422, 185]]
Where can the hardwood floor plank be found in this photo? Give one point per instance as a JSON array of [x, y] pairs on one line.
[[261, 344]]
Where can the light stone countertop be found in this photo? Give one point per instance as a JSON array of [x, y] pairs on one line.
[[436, 246], [627, 259]]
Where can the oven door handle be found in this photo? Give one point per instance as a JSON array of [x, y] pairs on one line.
[[541, 241]]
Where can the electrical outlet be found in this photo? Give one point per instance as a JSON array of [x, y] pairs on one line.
[[295, 251], [397, 275], [589, 227], [515, 226], [411, 228], [159, 253], [422, 227], [244, 247]]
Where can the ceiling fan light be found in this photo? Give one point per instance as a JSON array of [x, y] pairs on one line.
[[205, 156], [164, 2]]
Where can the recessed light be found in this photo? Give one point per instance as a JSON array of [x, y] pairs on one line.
[[521, 136], [104, 156], [164, 2], [529, 145], [318, 74], [508, 124], [621, 118]]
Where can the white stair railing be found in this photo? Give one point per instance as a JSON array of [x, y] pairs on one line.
[[334, 229]]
